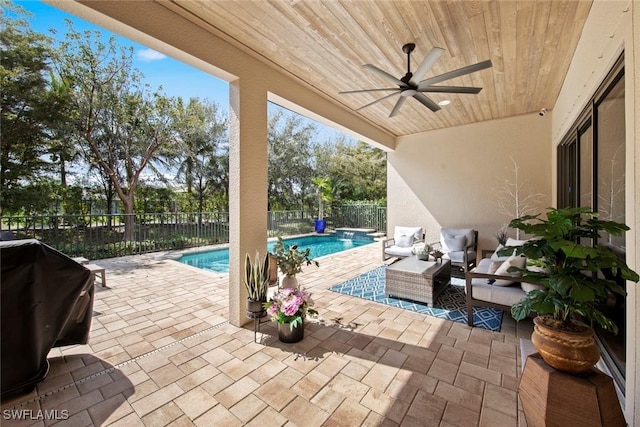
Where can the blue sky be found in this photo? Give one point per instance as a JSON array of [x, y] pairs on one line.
[[176, 78]]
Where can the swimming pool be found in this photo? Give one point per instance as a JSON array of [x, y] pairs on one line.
[[218, 259]]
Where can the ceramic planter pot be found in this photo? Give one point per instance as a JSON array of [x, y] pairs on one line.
[[288, 334], [289, 282], [255, 310], [574, 351]]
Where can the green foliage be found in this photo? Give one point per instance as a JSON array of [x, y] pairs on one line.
[[256, 277], [29, 109], [291, 259], [576, 277], [359, 173], [290, 166], [203, 158], [154, 199]]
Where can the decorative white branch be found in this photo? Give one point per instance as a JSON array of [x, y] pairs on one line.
[[513, 197]]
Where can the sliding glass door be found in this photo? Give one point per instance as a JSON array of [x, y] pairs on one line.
[[591, 173]]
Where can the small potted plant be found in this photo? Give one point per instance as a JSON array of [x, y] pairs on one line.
[[502, 236], [256, 281], [421, 251], [290, 261], [576, 278], [324, 195], [289, 307]]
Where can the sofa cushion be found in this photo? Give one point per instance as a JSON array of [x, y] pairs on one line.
[[503, 270], [502, 295], [405, 236], [458, 256], [398, 251]]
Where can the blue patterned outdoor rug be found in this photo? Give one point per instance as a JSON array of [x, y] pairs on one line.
[[450, 305]]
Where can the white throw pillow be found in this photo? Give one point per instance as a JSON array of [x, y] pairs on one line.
[[510, 242], [464, 235], [455, 243], [514, 242], [528, 287], [503, 270], [405, 236], [493, 267]]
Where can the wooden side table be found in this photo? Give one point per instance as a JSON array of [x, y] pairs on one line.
[[553, 398]]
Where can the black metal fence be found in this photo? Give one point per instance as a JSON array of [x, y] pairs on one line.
[[103, 236]]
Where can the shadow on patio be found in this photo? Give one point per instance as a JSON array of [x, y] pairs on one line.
[[176, 360]]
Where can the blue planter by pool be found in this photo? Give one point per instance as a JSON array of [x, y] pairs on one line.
[[320, 225]]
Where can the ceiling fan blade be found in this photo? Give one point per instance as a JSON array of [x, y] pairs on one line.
[[377, 100], [368, 90], [426, 65], [384, 74], [427, 102], [396, 108], [451, 89], [455, 73]]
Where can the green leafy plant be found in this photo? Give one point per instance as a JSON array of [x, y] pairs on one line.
[[256, 277], [291, 259], [577, 278], [290, 305]]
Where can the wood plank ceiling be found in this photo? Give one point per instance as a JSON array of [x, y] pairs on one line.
[[324, 45]]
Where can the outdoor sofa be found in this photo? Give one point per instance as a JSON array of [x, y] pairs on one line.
[[491, 285]]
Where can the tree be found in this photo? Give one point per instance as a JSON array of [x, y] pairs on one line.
[[203, 167], [121, 127], [290, 166], [29, 107], [359, 173]]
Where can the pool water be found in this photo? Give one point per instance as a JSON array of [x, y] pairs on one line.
[[218, 259]]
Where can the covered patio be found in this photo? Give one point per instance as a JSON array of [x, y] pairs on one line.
[[442, 172], [162, 352]]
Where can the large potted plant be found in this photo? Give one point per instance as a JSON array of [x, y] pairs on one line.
[[289, 307], [325, 190], [290, 261], [577, 279], [256, 281]]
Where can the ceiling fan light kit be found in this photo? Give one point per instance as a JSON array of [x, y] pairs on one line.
[[411, 84]]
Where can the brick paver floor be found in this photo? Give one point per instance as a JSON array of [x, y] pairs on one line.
[[161, 352]]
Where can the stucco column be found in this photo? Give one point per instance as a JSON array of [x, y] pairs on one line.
[[247, 185]]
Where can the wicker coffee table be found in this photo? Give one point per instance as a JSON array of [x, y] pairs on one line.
[[413, 279]]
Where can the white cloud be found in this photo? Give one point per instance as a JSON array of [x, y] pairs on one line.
[[149, 55]]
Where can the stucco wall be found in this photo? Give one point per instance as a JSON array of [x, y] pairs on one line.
[[449, 177]]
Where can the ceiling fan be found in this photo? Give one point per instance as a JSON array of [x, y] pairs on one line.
[[411, 85]]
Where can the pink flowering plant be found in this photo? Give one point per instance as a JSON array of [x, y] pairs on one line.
[[290, 305]]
